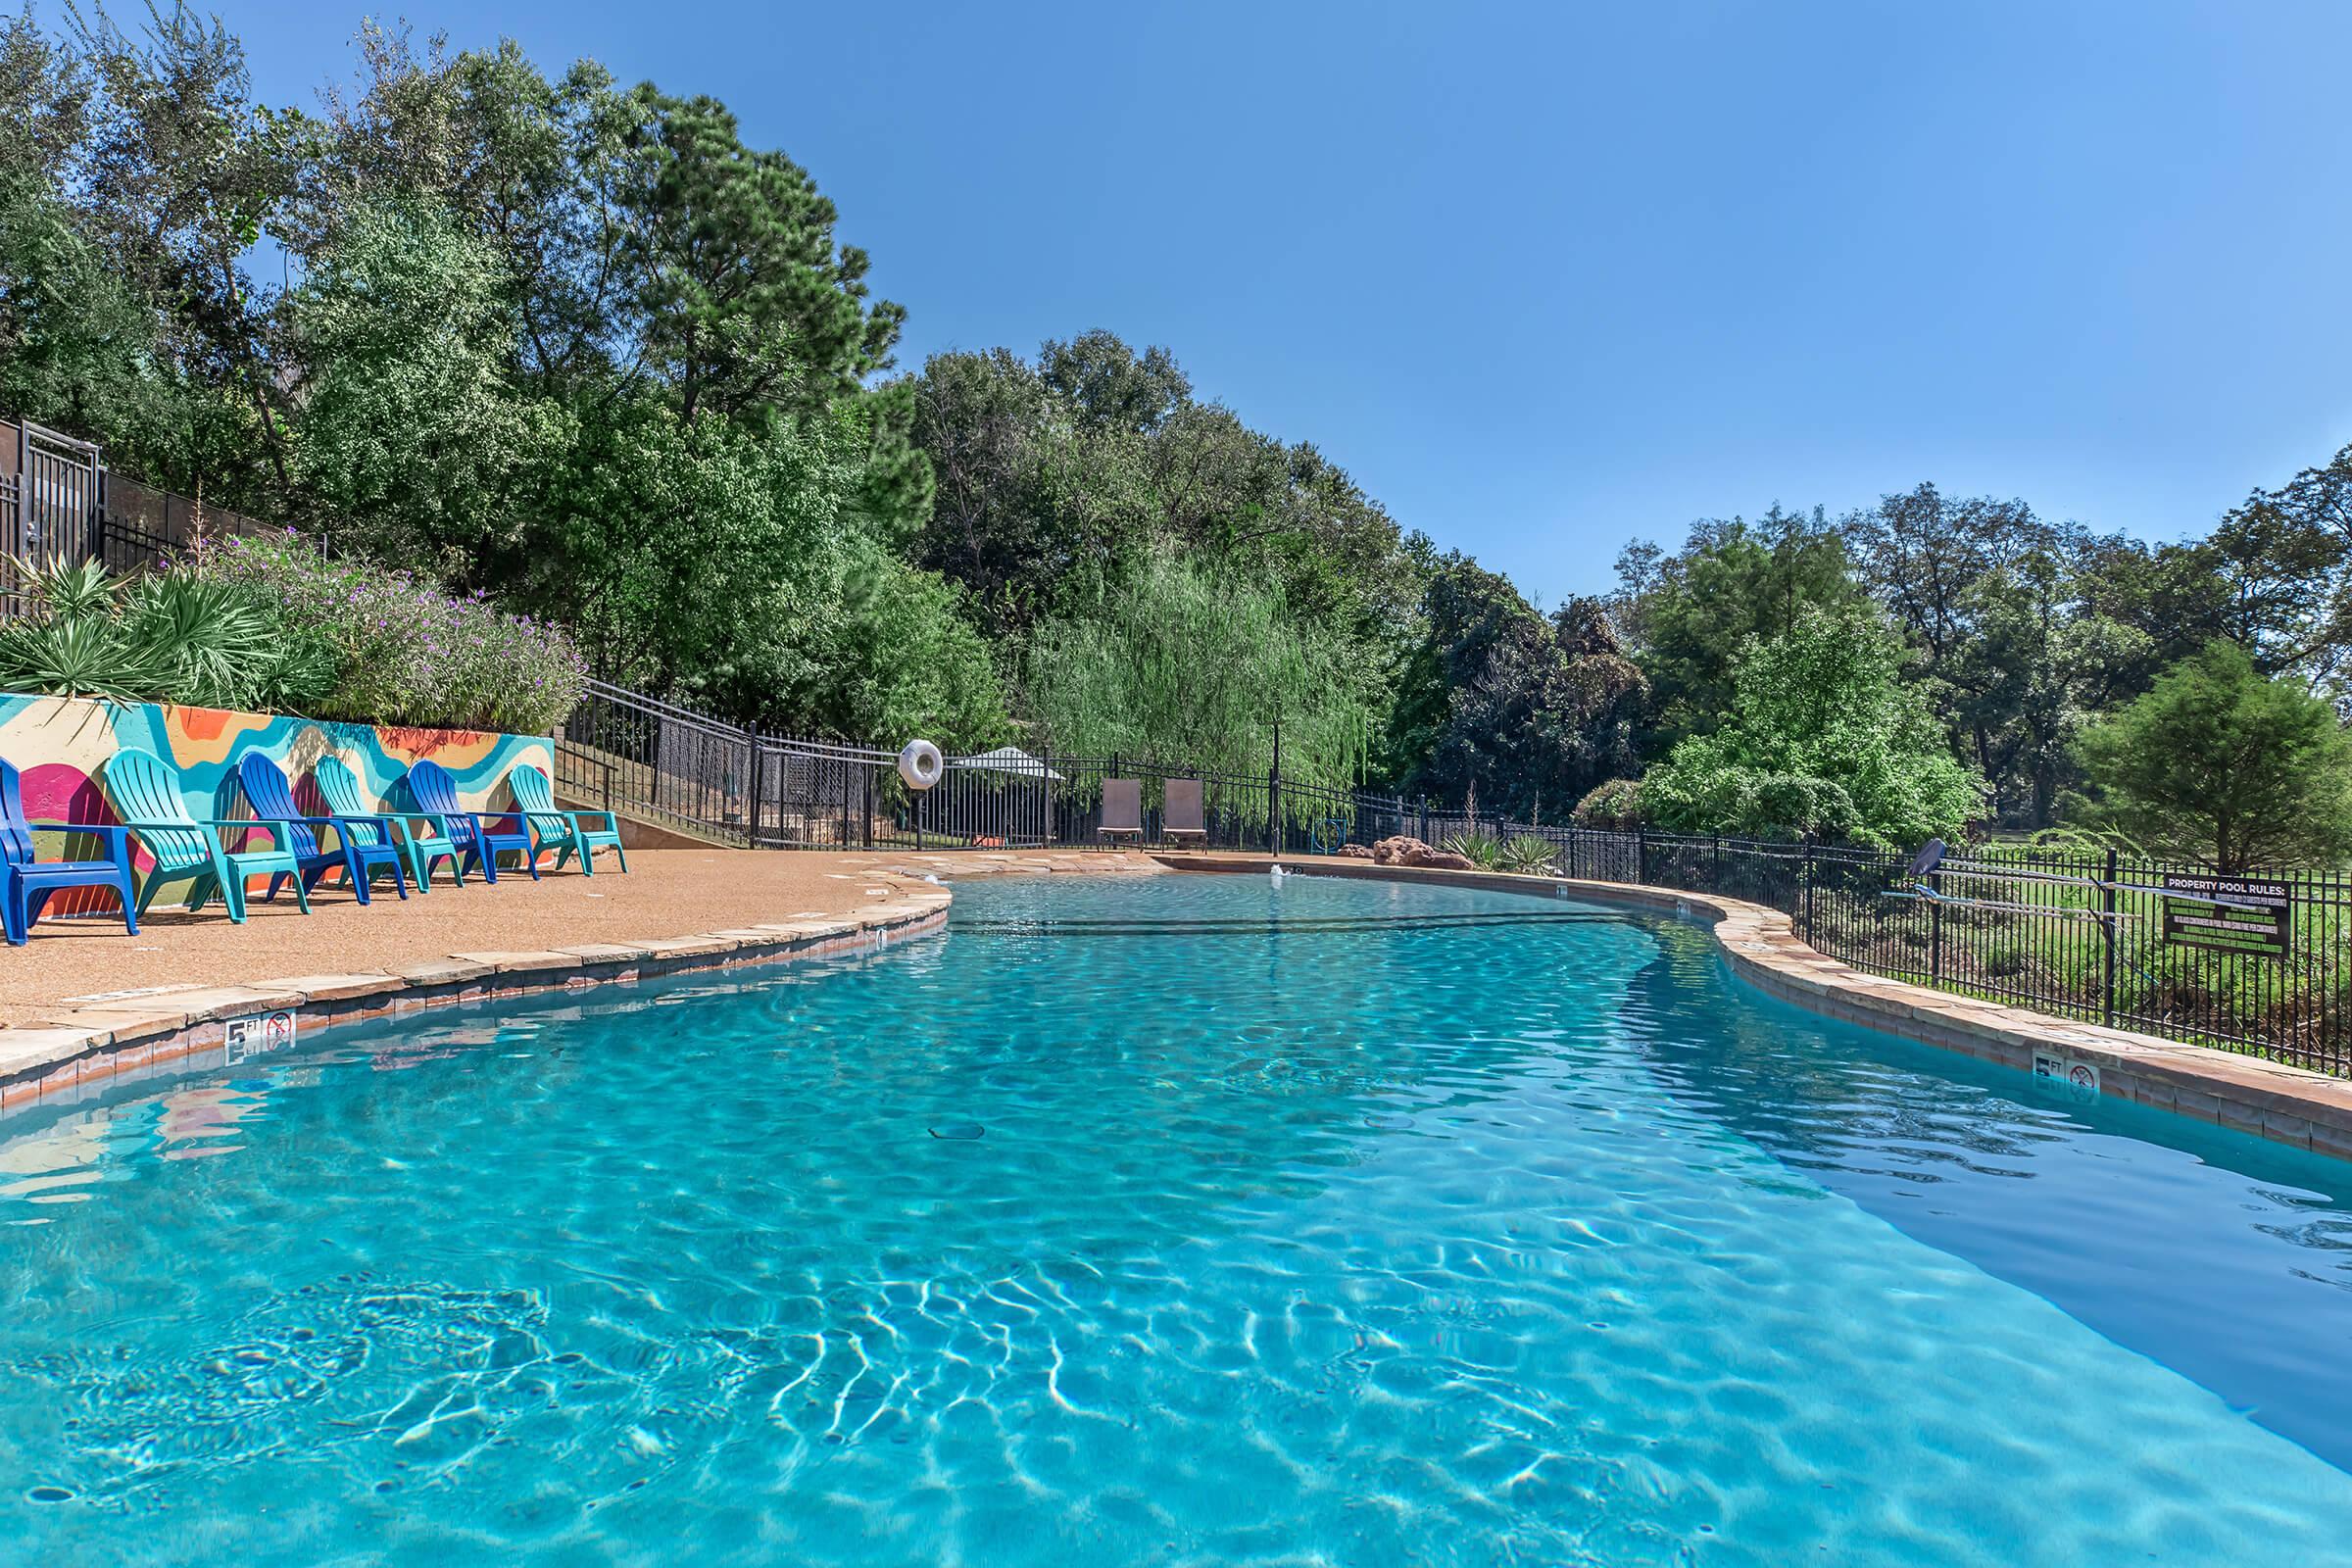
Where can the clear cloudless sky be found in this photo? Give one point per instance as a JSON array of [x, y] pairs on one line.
[[1549, 276]]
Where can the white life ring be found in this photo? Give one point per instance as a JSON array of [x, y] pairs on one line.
[[919, 765]]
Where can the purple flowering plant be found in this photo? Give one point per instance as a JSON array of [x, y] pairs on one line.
[[408, 652]]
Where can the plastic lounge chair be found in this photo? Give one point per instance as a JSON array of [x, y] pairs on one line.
[[30, 880], [187, 849], [435, 795], [1122, 808], [363, 843], [1181, 817], [568, 833], [339, 787]]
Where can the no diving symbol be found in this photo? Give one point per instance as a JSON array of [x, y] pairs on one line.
[[257, 1035]]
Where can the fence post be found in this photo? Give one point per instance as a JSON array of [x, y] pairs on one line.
[[2107, 905], [1808, 876], [751, 742], [1936, 928], [1274, 790], [1642, 856]]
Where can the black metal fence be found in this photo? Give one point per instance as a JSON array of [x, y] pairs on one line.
[[60, 503], [2082, 934], [2079, 933]]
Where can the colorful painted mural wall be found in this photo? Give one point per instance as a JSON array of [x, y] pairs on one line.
[[59, 744]]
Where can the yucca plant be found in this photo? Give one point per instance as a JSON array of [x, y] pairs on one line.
[[1530, 854], [1482, 849], [80, 655], [169, 638], [207, 637], [68, 589]]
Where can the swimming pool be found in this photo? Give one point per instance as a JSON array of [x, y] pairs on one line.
[[1190, 1220]]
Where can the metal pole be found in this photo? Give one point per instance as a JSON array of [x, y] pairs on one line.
[[751, 742], [2107, 934], [1935, 929], [1808, 891], [1274, 791]]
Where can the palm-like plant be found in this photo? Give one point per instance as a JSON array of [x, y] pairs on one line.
[[1482, 849], [81, 656], [1530, 854], [68, 589], [171, 638]]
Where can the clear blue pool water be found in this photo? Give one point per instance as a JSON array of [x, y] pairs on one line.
[[1189, 1221]]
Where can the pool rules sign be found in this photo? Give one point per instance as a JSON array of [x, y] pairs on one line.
[[2227, 913]]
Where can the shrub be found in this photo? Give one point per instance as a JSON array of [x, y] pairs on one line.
[[155, 639], [1482, 849], [1825, 740], [1614, 806], [405, 652], [1528, 855], [2225, 763]]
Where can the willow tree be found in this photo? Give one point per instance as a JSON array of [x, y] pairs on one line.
[[1190, 667]]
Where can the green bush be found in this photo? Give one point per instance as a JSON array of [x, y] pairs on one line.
[[405, 652], [1528, 855], [156, 639], [1614, 806], [1824, 741]]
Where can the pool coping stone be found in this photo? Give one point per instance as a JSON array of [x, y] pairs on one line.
[[73, 1048]]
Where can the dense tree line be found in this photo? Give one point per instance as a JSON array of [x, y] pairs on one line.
[[576, 345]]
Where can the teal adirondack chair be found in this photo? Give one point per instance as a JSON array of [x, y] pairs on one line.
[[339, 787], [568, 833], [185, 847]]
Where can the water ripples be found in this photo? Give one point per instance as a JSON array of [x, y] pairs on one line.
[[1432, 1232]]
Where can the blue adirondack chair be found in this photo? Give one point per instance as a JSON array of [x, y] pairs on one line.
[[363, 845], [146, 798], [339, 787], [435, 795], [568, 833], [30, 880]]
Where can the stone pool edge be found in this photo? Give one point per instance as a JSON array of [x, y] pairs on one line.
[[2273, 1100], [134, 1034]]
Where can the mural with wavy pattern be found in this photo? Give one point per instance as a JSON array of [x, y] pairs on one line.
[[59, 744]]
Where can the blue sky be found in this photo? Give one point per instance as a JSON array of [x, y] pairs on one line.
[[1547, 277]]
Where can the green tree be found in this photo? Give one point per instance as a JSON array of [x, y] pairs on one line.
[[1824, 740], [1527, 711], [2225, 763], [745, 300], [1688, 615], [177, 180], [900, 659], [2284, 558], [1194, 667], [413, 434]]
